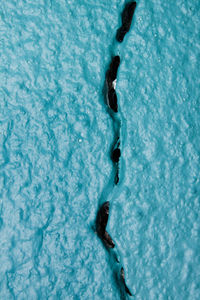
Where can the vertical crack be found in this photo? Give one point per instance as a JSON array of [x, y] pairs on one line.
[[112, 103]]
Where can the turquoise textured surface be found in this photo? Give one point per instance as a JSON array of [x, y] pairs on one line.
[[55, 140]]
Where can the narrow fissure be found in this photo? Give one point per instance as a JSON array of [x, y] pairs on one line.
[[112, 103]]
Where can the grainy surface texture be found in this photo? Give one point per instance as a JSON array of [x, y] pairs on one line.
[[55, 139]]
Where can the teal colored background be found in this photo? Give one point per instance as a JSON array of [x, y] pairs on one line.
[[55, 139]]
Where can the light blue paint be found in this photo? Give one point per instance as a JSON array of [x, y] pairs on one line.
[[56, 135]]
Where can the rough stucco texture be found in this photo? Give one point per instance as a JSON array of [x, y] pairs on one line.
[[55, 139]]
